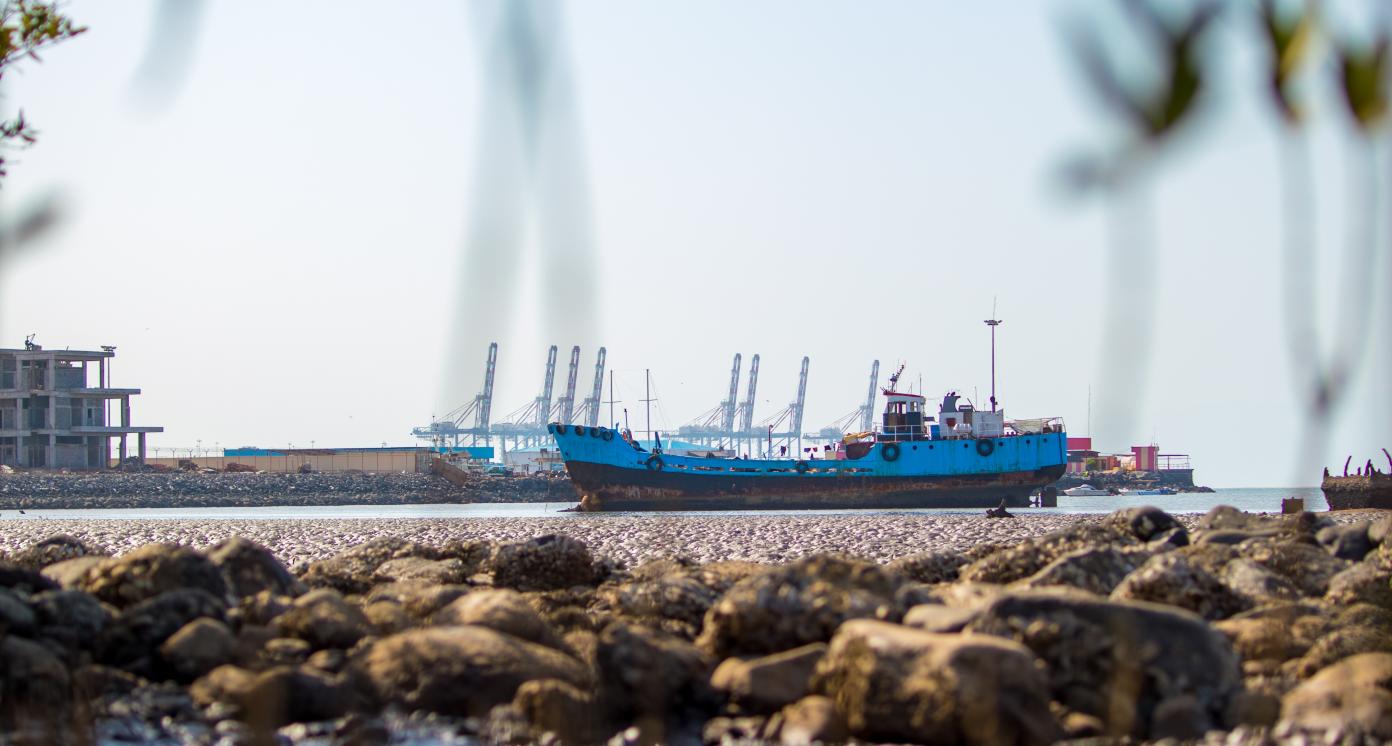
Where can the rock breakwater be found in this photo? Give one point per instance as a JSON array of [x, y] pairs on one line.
[[86, 490], [1229, 628]]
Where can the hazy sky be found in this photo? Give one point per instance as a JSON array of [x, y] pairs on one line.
[[276, 251]]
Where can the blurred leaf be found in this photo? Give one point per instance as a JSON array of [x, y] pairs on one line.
[[1364, 79], [1289, 38]]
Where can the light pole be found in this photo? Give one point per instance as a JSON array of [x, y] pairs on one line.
[[993, 323]]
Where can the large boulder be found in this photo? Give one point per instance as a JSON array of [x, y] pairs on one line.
[[1346, 541], [1364, 583], [896, 683], [24, 579], [1116, 660], [1354, 694], [131, 640], [250, 568], [324, 619], [1032, 555], [35, 693], [355, 570], [504, 610], [556, 707], [930, 567], [1256, 584], [465, 670], [15, 615], [1172, 579], [49, 551], [545, 563], [448, 571], [1093, 569], [198, 647], [675, 603], [277, 696], [768, 682], [652, 677], [796, 604], [150, 570], [1304, 564], [72, 619], [1149, 523]]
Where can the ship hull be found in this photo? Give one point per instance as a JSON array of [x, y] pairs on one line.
[[1358, 492], [609, 473], [607, 487]]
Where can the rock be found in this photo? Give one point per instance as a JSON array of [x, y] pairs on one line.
[[1306, 566], [769, 682], [796, 604], [894, 683], [355, 570], [675, 603], [387, 617], [1354, 694], [939, 618], [555, 706], [1263, 639], [1362, 582], [462, 670], [646, 675], [1031, 555], [131, 640], [35, 694], [1346, 541], [1093, 569], [284, 651], [1379, 530], [1149, 523], [420, 601], [1344, 641], [736, 729], [72, 619], [69, 573], [1182, 718], [263, 607], [150, 570], [1234, 536], [250, 568], [23, 579], [929, 567], [544, 563], [813, 719], [324, 619], [503, 610], [1256, 584], [198, 647], [433, 572], [15, 616], [52, 550], [276, 696], [1115, 659], [1172, 579], [1253, 709]]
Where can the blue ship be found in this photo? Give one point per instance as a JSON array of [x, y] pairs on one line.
[[960, 458]]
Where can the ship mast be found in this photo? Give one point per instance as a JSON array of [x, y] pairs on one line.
[[993, 323]]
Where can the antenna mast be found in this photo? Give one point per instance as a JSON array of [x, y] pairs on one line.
[[993, 323]]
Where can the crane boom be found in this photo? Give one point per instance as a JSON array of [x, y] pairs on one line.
[[592, 403], [748, 410], [543, 407], [566, 405], [867, 415], [728, 420], [801, 399]]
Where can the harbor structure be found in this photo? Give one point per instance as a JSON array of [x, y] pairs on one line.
[[52, 416], [386, 459], [1168, 469]]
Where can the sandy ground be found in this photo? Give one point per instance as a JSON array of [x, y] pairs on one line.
[[628, 538]]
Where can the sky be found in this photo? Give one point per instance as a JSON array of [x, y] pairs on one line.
[[277, 239]]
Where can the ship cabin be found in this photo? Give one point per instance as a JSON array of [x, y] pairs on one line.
[[904, 419]]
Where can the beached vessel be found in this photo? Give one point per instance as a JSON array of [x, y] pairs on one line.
[[1368, 488], [960, 458]]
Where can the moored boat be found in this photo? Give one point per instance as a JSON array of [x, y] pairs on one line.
[[960, 458]]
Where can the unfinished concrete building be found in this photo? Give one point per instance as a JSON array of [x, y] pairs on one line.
[[51, 418]]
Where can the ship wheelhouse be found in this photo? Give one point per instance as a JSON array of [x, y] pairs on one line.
[[903, 418]]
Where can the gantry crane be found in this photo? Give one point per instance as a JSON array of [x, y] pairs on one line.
[[718, 423], [564, 410], [864, 415], [527, 426], [790, 417], [590, 408], [450, 428]]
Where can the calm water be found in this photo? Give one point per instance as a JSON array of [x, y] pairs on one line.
[[1258, 499]]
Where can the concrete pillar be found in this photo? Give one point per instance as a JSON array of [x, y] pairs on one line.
[[50, 452], [140, 447], [122, 450], [21, 452], [125, 411]]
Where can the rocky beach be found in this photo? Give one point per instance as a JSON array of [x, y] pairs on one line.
[[1139, 626]]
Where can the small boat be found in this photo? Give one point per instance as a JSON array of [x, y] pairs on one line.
[[963, 458], [1085, 490], [1150, 491]]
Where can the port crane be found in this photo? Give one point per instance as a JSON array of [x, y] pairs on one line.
[[526, 427], [564, 409], [716, 424], [450, 428], [589, 409], [790, 418], [862, 416]]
